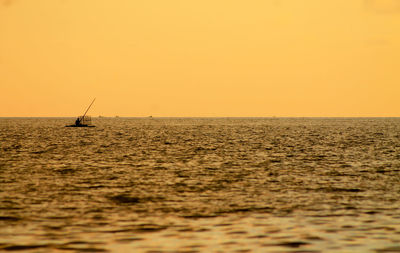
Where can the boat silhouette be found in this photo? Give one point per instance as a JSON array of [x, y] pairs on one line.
[[83, 121]]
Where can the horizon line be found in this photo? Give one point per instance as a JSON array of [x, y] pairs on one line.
[[150, 116]]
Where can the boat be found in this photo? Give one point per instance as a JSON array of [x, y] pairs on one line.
[[83, 121]]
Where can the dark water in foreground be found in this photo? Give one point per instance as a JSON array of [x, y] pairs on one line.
[[200, 185]]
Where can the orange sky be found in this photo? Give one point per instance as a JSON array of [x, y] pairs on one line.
[[200, 58]]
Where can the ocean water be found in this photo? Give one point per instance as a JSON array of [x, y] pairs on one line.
[[200, 185]]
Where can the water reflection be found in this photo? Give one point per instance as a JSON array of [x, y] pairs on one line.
[[200, 185]]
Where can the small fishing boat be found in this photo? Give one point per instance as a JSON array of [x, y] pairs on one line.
[[83, 121]]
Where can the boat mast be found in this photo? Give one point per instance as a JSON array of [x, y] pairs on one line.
[[88, 108]]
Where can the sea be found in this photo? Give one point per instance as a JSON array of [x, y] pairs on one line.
[[200, 185]]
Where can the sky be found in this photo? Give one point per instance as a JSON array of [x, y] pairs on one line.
[[192, 58]]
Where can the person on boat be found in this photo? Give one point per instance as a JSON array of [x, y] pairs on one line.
[[77, 122]]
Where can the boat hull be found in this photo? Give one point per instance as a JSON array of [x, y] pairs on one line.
[[79, 126]]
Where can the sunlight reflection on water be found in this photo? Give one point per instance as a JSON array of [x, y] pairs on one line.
[[200, 185]]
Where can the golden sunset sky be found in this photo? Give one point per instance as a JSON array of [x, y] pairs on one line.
[[200, 58]]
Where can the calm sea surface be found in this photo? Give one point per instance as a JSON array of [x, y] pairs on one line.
[[200, 185]]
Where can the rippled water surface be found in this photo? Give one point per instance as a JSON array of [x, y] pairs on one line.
[[200, 185]]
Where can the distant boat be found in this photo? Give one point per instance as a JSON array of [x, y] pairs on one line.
[[83, 121]]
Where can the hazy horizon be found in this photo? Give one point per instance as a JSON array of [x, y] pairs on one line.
[[209, 117]]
